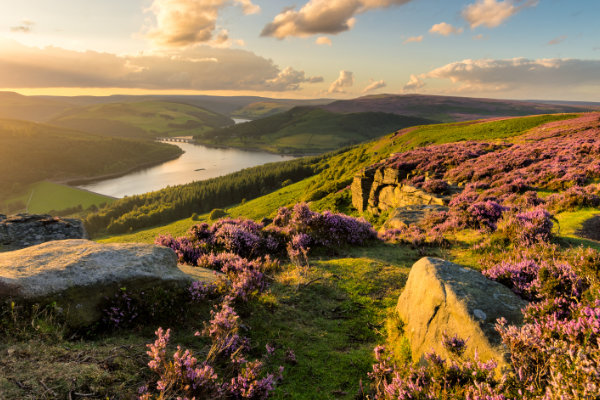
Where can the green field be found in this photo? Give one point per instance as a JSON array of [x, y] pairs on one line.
[[147, 119], [261, 109], [308, 130], [44, 197]]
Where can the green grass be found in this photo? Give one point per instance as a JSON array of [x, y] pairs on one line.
[[42, 197], [570, 223], [308, 130], [261, 109], [147, 119]]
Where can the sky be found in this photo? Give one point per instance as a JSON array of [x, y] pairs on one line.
[[513, 49]]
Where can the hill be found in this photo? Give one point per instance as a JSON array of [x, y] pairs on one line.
[[37, 109], [520, 190], [448, 108], [33, 152], [308, 130], [146, 119]]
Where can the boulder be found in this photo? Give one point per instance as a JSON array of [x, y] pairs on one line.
[[444, 297], [24, 230], [80, 274]]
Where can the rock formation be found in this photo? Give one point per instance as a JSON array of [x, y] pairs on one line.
[[440, 296], [23, 230], [79, 274], [379, 188]]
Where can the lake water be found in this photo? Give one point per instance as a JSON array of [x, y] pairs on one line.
[[197, 163]]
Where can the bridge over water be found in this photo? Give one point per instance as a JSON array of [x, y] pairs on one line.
[[182, 139]]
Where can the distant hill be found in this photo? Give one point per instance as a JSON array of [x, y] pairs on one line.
[[147, 119], [263, 109], [32, 152], [447, 108], [309, 130], [39, 109]]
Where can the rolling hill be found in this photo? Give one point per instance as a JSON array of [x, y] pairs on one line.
[[33, 152], [146, 119], [308, 130], [448, 108], [37, 109]]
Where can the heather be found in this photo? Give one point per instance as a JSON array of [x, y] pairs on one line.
[[312, 288]]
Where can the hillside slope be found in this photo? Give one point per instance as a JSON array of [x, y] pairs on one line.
[[37, 109], [308, 130], [448, 108], [33, 152], [147, 119]]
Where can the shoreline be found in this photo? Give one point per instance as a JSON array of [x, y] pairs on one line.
[[83, 180], [255, 149]]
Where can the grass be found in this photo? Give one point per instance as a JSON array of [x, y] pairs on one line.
[[142, 119], [43, 197], [308, 130], [570, 223], [261, 109]]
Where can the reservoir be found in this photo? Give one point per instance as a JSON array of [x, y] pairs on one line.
[[197, 163]]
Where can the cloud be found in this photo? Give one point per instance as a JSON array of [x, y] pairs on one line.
[[445, 29], [187, 22], [479, 36], [518, 74], [374, 85], [322, 16], [492, 13], [25, 27], [413, 39], [290, 79], [344, 80], [557, 40], [323, 40], [196, 68], [415, 83]]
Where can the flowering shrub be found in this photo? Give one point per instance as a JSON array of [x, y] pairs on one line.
[[530, 227], [186, 376], [436, 186]]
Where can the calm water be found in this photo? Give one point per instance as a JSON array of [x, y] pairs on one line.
[[197, 163]]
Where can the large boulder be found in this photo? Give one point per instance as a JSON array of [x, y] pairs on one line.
[[442, 297], [80, 274], [23, 230], [410, 215]]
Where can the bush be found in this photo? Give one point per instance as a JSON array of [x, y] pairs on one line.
[[217, 213]]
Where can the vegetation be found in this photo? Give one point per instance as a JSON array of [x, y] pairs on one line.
[[308, 130], [56, 199], [34, 152], [146, 119], [261, 109]]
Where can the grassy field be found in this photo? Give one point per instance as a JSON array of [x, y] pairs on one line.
[[261, 109], [147, 119], [308, 130], [43, 197]]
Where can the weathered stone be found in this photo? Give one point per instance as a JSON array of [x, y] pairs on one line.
[[444, 297], [79, 274], [413, 214], [360, 189], [378, 189], [23, 230]]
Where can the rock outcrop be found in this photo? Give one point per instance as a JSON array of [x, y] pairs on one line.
[[24, 230], [404, 216], [79, 274], [444, 297], [379, 188]]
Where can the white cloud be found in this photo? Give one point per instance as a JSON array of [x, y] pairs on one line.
[[187, 22], [374, 85], [492, 13], [413, 39], [323, 40], [415, 83], [518, 74], [445, 29], [26, 26], [322, 16], [195, 68], [344, 80]]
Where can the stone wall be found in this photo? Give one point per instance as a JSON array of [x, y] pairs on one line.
[[24, 230], [377, 189]]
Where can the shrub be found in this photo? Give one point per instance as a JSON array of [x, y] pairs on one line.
[[217, 213]]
